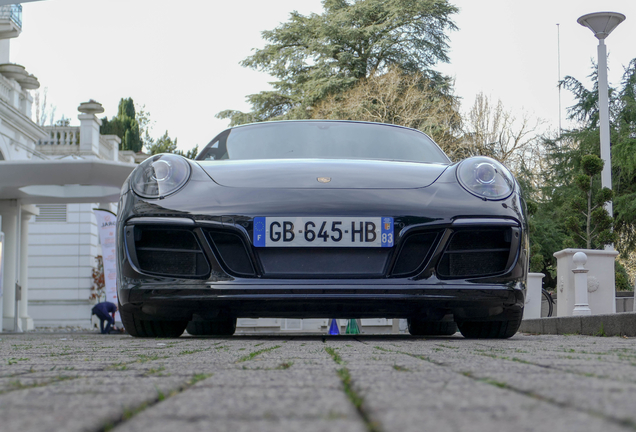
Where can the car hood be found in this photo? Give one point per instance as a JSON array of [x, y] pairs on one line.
[[337, 174]]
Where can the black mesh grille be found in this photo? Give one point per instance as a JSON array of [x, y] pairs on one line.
[[169, 252], [414, 253], [476, 253], [232, 252], [165, 239], [323, 262]]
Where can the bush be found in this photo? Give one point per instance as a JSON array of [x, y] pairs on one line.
[[622, 278]]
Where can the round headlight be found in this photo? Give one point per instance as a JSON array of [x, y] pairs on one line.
[[485, 178], [160, 175]]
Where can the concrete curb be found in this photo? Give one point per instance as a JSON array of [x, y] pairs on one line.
[[619, 324]]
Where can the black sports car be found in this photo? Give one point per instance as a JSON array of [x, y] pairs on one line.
[[321, 219]]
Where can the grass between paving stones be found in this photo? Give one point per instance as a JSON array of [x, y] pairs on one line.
[[144, 358], [401, 368], [356, 399], [624, 422], [156, 372], [253, 354], [14, 360], [131, 412], [421, 357], [18, 385], [570, 371], [285, 365], [194, 351], [334, 355]]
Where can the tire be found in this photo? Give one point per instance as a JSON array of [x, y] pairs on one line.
[[151, 328], [431, 328], [226, 327], [501, 329]]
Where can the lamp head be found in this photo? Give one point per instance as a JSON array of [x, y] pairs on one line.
[[601, 23]]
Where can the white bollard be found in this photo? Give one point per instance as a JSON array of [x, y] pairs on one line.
[[532, 309], [581, 306]]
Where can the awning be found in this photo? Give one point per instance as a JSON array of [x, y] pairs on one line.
[[62, 181]]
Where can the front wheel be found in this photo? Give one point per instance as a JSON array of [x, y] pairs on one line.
[[151, 328], [501, 329]]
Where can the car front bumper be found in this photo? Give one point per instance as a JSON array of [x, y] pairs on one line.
[[337, 300]]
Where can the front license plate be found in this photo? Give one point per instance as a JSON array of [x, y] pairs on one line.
[[323, 232]]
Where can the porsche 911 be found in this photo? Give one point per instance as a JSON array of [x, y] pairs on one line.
[[321, 219]]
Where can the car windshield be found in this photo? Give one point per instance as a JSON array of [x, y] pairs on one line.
[[323, 140]]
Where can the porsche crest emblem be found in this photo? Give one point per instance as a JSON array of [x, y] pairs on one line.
[[324, 179]]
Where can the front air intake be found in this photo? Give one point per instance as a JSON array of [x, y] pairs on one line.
[[167, 252], [232, 252], [414, 253], [478, 252]]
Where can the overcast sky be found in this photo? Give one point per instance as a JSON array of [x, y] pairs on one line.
[[180, 59]]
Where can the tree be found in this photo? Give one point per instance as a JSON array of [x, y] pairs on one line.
[[555, 197], [623, 145], [589, 207], [491, 130], [397, 97], [165, 144], [124, 125], [43, 111], [316, 56], [145, 125]]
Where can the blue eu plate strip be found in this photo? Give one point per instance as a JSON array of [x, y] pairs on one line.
[[387, 232], [259, 232]]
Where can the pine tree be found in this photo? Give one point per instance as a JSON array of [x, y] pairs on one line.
[[124, 125], [316, 56]]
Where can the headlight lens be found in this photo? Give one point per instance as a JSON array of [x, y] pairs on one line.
[[160, 175], [485, 178]]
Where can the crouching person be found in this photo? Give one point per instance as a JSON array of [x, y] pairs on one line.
[[105, 311]]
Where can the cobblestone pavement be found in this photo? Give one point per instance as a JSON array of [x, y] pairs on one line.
[[90, 382]]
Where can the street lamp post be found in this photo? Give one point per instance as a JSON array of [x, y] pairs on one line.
[[602, 24]]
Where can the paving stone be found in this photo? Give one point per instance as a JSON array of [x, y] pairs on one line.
[[86, 382]]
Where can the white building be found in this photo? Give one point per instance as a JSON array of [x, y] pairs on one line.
[[63, 237], [58, 175]]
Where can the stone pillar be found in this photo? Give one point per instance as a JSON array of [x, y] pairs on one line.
[[601, 284], [114, 141], [89, 127], [534, 296], [5, 50], [26, 322], [9, 213]]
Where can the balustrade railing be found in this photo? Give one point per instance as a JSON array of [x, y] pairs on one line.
[[105, 148], [5, 90], [61, 136], [12, 12]]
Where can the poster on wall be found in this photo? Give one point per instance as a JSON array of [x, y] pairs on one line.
[[106, 224]]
